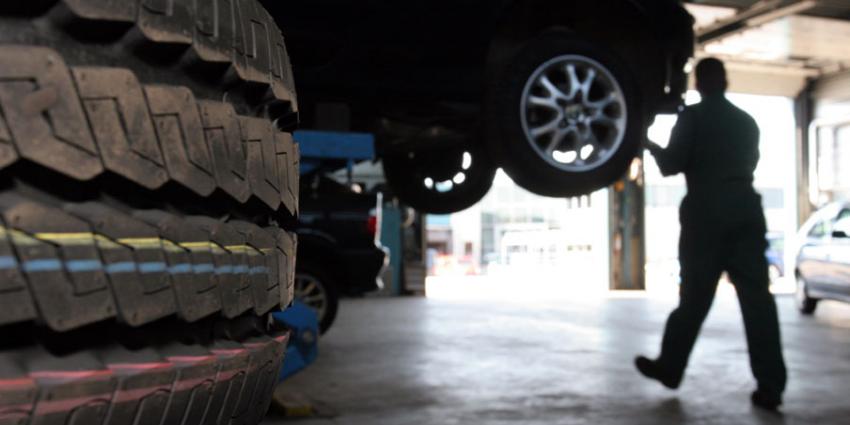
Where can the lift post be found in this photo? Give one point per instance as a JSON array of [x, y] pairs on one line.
[[627, 228]]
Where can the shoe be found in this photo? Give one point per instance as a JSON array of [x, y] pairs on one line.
[[766, 401], [650, 369]]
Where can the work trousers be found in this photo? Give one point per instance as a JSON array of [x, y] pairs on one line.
[[725, 234]]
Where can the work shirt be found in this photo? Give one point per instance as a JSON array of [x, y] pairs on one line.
[[715, 144]]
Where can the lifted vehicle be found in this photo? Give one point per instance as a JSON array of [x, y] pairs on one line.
[[339, 253], [559, 93]]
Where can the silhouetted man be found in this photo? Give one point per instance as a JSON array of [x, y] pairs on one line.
[[715, 145]]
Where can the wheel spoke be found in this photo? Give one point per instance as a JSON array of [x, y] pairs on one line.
[[554, 91], [603, 103], [320, 299], [605, 120], [558, 138], [587, 84], [546, 102], [546, 128], [575, 83], [310, 288]]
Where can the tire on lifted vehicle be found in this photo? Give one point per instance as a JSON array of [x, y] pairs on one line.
[[441, 180], [145, 196], [563, 117]]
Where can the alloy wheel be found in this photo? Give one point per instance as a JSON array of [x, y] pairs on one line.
[[574, 113], [312, 292]]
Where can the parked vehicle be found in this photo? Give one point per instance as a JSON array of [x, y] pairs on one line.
[[775, 256], [823, 262], [558, 93], [339, 250]]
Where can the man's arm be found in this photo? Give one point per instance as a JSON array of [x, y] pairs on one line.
[[674, 159]]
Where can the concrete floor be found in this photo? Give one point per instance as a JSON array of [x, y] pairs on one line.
[[424, 361]]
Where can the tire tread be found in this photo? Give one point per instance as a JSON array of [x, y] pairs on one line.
[[103, 119], [84, 263]]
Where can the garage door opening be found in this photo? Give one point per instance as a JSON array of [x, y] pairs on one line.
[[516, 246], [774, 179]]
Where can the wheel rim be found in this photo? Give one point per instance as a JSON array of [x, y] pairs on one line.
[[442, 186], [573, 113], [310, 291]]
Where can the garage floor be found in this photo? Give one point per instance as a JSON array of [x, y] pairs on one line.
[[424, 361]]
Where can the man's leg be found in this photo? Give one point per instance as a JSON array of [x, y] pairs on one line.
[[748, 270], [700, 271]]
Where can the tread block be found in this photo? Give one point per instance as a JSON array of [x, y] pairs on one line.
[[263, 266], [112, 10], [231, 265], [167, 21], [18, 305], [193, 387], [178, 124], [75, 389], [214, 29], [58, 255], [8, 154], [253, 46], [295, 176], [223, 383], [285, 251], [144, 382], [43, 113], [287, 166], [17, 391], [136, 270], [223, 134], [118, 113], [234, 361], [266, 358], [283, 83], [259, 141], [190, 265], [240, 32]]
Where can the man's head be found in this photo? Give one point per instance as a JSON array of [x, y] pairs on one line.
[[711, 77]]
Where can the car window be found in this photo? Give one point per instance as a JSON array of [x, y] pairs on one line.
[[819, 230], [842, 225], [845, 213]]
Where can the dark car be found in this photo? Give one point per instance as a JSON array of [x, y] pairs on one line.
[[339, 253], [559, 93], [823, 262]]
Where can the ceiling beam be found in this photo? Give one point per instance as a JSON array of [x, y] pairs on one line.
[[763, 12]]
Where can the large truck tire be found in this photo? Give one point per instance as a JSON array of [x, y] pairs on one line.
[[148, 186]]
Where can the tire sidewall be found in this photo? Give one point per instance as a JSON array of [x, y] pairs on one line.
[[506, 136], [805, 304]]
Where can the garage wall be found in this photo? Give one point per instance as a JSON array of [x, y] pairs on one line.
[[829, 137], [832, 97]]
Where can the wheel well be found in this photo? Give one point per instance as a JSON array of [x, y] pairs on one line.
[[520, 21], [322, 250]]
